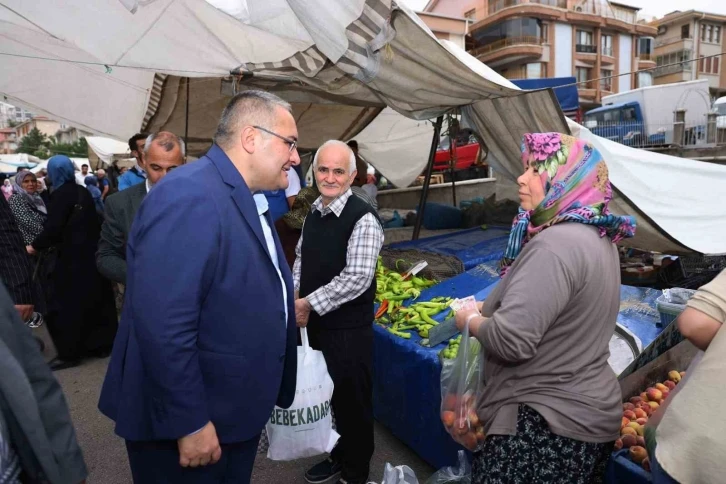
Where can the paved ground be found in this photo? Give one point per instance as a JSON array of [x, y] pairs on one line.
[[106, 456]]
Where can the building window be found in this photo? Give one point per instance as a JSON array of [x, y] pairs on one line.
[[606, 80], [708, 65], [606, 45], [711, 33], [583, 75], [533, 70], [520, 28], [584, 42], [686, 31]]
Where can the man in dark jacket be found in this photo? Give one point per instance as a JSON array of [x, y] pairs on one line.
[[163, 152], [334, 274], [36, 433]]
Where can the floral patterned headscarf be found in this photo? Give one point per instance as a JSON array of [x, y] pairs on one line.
[[577, 189]]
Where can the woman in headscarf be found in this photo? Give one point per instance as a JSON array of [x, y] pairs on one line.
[[82, 316], [27, 206], [550, 403], [7, 188], [92, 186]]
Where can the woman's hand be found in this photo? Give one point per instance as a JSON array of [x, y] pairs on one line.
[[30, 249], [473, 316]]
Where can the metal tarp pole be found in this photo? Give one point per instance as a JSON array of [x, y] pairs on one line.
[[186, 119], [427, 178]]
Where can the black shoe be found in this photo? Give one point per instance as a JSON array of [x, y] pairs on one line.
[[57, 364], [344, 481], [323, 471]]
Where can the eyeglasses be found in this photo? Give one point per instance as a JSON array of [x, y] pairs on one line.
[[291, 142]]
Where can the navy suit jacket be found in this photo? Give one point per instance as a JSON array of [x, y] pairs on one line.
[[203, 335]]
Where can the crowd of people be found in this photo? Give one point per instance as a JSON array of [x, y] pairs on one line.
[[220, 261]]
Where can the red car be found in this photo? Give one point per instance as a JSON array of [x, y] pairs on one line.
[[466, 156]]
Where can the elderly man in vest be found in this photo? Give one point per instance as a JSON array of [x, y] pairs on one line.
[[334, 275]]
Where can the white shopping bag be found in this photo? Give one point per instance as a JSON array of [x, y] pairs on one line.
[[306, 428]]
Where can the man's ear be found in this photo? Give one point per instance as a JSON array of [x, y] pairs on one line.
[[248, 139]]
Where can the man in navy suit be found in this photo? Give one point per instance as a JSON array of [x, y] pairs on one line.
[[206, 344]]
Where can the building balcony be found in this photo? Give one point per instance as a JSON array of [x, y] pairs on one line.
[[585, 49], [498, 5], [516, 48], [674, 69]]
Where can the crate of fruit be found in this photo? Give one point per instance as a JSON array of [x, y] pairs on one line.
[[644, 391]]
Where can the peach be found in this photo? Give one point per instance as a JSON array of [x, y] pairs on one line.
[[474, 418], [461, 426], [674, 376], [640, 441], [646, 464], [628, 406], [628, 431], [642, 421], [640, 413], [645, 406], [448, 417], [479, 434], [638, 454], [450, 402], [468, 440], [624, 422], [654, 395], [644, 397], [683, 373], [630, 415], [654, 405], [635, 400], [665, 394], [669, 384], [618, 444], [629, 440], [638, 428], [661, 387]]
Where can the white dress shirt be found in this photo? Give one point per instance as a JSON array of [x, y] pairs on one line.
[[262, 207]]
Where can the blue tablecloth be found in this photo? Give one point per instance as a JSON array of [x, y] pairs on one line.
[[406, 375], [472, 246], [406, 389], [638, 313]]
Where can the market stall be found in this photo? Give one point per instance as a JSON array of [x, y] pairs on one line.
[[406, 375]]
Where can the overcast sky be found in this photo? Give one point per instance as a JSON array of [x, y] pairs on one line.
[[656, 8]]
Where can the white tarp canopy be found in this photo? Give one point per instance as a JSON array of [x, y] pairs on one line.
[[340, 63], [11, 162], [106, 148]]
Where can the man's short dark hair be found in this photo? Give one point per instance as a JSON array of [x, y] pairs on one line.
[[134, 139], [20, 168], [84, 165]]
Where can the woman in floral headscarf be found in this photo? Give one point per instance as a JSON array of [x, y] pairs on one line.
[[550, 403]]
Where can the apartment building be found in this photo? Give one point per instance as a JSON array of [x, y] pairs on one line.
[[447, 27], [9, 113], [8, 143], [590, 40], [46, 126], [687, 48]]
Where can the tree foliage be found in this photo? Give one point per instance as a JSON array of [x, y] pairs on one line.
[[38, 144]]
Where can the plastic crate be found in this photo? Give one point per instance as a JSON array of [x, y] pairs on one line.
[[692, 271], [622, 470], [672, 303]]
